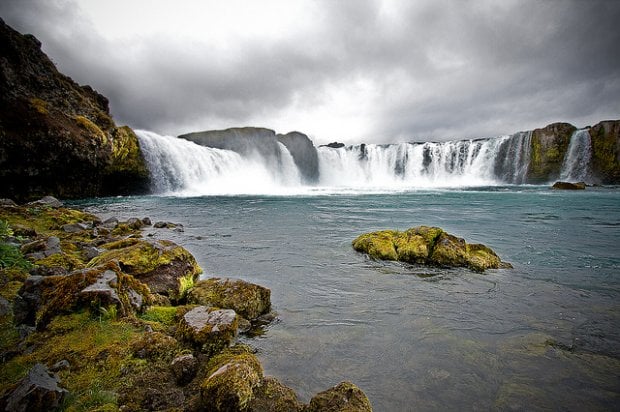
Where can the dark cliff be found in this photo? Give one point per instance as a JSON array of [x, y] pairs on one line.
[[57, 137]]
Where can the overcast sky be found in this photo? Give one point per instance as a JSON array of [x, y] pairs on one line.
[[352, 71]]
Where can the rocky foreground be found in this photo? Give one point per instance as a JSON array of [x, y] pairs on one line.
[[429, 246], [95, 317]]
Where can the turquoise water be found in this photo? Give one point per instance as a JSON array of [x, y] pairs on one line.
[[544, 335]]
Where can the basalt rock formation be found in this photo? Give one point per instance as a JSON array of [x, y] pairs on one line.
[[57, 137]]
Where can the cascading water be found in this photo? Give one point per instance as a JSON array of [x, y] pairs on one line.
[[576, 165], [183, 167]]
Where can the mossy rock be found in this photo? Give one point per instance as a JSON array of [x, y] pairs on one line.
[[232, 377], [155, 346], [247, 299], [160, 264], [378, 245], [344, 397], [429, 246], [65, 294], [210, 329], [606, 151], [548, 148], [273, 396]]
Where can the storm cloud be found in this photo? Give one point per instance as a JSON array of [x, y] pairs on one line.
[[373, 71]]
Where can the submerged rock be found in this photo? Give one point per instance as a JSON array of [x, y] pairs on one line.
[[427, 245], [38, 391], [569, 186], [344, 397], [247, 299]]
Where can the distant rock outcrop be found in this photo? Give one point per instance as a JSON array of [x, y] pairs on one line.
[[57, 137], [549, 146], [251, 141], [606, 151]]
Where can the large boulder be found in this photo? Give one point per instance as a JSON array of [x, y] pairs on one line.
[[232, 377], [38, 391], [427, 245], [40, 299], [209, 329], [247, 299], [272, 395], [344, 397], [568, 186], [304, 154], [160, 264], [57, 137]]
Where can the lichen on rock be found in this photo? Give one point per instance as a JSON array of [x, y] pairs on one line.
[[247, 299], [427, 245]]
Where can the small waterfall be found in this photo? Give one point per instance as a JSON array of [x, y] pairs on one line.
[[576, 165], [513, 158]]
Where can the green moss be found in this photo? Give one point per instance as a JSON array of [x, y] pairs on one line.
[[44, 220], [231, 380], [165, 315], [155, 346], [10, 289], [605, 151], [96, 351], [481, 257], [344, 397], [39, 105], [92, 128], [378, 245], [247, 299], [273, 396], [126, 153], [62, 260]]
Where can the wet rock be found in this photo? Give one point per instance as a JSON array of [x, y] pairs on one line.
[[75, 227], [569, 186], [344, 397], [184, 368], [160, 264], [146, 221], [169, 225], [38, 391], [208, 328], [333, 145], [247, 299], [429, 246], [49, 201], [110, 223], [231, 381], [135, 223], [272, 395]]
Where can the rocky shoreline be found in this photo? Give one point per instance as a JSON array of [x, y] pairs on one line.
[[96, 317]]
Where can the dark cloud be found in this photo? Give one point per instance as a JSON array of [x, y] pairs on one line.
[[431, 69]]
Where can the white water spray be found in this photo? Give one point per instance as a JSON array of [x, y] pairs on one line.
[[576, 165], [181, 167]]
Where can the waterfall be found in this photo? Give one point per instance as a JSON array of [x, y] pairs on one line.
[[576, 165], [267, 165]]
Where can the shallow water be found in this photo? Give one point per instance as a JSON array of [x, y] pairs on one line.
[[544, 335]]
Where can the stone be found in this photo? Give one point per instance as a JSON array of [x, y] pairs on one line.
[[146, 221], [110, 223], [5, 307], [74, 227], [208, 328], [49, 201], [344, 397], [247, 299], [160, 264], [38, 391], [90, 252], [103, 289], [231, 381], [184, 368], [569, 186], [333, 145], [272, 395], [135, 223], [429, 246], [7, 202]]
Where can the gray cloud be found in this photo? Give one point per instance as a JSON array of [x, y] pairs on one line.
[[435, 69]]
